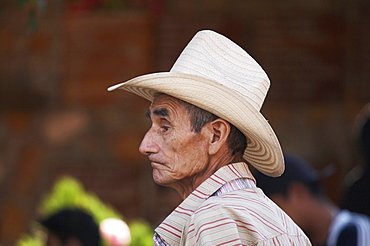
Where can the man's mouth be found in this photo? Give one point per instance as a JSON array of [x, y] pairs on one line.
[[155, 163]]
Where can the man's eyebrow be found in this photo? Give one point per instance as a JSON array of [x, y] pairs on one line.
[[159, 112]]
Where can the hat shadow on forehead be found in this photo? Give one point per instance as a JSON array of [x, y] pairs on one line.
[[217, 75]]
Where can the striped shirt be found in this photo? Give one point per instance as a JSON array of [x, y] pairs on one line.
[[226, 209]]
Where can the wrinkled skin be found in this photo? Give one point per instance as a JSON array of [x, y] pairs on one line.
[[181, 158]]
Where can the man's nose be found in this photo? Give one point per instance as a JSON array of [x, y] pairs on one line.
[[148, 145]]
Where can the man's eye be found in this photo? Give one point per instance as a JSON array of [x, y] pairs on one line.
[[165, 128]]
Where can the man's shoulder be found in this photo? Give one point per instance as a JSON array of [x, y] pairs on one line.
[[250, 204], [242, 196], [232, 200], [250, 211]]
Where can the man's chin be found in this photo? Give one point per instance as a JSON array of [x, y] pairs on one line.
[[159, 179]]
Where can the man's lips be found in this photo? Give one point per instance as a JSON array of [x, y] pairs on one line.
[[157, 166], [155, 163]]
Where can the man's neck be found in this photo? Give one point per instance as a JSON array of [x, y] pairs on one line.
[[187, 186]]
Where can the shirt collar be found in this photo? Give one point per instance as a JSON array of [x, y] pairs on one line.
[[172, 227]]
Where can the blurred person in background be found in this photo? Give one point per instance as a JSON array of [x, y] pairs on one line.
[[206, 126], [71, 227], [300, 194], [356, 197]]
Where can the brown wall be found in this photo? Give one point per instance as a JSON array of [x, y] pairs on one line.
[[57, 118]]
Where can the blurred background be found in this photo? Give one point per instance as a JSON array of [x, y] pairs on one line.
[[57, 57]]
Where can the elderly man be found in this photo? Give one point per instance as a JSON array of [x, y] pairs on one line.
[[206, 126]]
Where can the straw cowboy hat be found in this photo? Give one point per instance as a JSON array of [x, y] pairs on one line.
[[217, 75]]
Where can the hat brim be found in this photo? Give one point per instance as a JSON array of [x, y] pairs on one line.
[[263, 151]]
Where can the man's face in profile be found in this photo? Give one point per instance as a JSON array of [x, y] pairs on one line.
[[177, 153]]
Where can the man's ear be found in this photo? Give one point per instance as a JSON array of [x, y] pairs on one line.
[[220, 130]]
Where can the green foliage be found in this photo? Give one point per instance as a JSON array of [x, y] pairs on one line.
[[69, 193], [141, 233], [29, 240]]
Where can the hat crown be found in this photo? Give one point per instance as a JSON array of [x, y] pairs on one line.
[[215, 57]]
